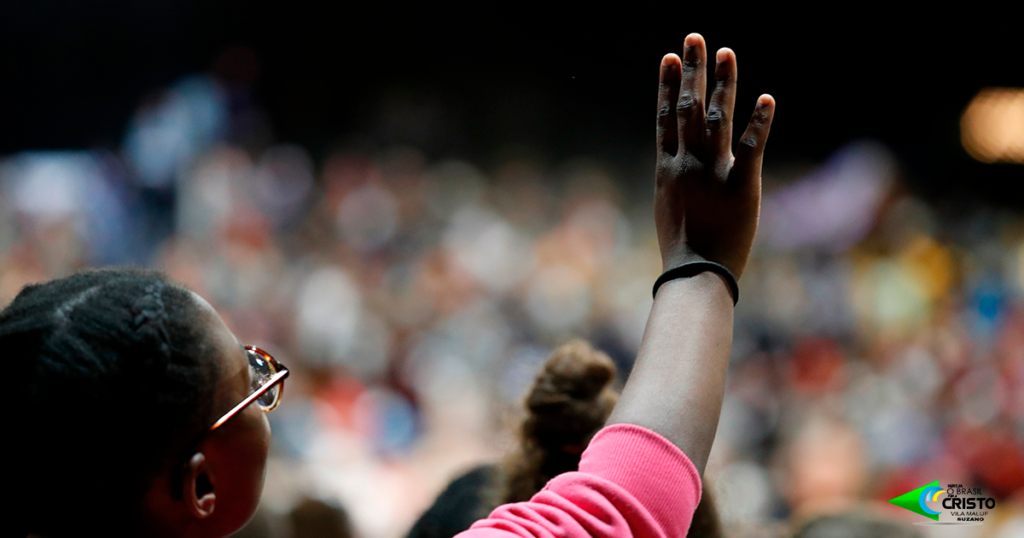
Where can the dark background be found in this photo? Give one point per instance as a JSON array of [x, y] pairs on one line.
[[73, 72]]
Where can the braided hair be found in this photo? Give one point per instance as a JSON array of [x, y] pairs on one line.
[[110, 377]]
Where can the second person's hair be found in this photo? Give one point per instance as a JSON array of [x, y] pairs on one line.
[[570, 400]]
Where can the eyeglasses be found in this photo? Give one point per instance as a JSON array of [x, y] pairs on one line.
[[267, 383]]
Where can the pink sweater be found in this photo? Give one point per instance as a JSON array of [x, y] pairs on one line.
[[632, 482]]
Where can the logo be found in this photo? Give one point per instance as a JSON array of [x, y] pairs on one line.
[[964, 505]]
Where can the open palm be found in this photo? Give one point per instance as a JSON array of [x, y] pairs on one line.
[[707, 200]]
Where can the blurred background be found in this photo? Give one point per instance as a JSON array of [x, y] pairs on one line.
[[412, 211]]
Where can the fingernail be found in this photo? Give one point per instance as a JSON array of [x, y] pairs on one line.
[[669, 61], [693, 40], [765, 100], [723, 54]]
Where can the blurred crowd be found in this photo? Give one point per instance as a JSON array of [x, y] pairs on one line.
[[879, 338]]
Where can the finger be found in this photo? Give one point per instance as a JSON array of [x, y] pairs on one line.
[[690, 107], [718, 124], [668, 93], [751, 147]]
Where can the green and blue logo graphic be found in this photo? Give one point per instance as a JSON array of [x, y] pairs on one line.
[[965, 505]]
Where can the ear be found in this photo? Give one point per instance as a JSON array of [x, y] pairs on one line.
[[198, 487]]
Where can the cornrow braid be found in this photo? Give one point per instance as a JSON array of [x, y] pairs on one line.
[[149, 311], [108, 365]]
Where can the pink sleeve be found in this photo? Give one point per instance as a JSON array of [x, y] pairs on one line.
[[632, 482]]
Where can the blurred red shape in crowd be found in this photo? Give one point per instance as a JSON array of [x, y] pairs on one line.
[[818, 366]]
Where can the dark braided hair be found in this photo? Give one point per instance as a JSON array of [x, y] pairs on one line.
[[112, 375]]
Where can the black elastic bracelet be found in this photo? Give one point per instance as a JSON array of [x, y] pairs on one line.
[[687, 270]]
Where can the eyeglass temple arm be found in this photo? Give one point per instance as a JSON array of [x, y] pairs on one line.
[[274, 379]]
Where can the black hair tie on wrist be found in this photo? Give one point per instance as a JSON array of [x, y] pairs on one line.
[[687, 270]]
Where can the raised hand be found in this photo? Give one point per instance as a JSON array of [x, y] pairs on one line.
[[707, 200], [706, 205]]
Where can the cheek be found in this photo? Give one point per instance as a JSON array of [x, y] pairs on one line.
[[245, 462], [256, 447]]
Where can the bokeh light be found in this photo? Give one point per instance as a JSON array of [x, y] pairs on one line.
[[992, 126]]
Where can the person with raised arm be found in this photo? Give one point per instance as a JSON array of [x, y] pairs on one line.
[[640, 475]]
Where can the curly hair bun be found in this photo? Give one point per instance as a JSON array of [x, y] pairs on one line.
[[570, 400], [571, 397]]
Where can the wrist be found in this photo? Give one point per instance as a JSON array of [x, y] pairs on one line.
[[694, 269], [707, 289]]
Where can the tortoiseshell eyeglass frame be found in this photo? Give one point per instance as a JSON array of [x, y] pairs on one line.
[[281, 372]]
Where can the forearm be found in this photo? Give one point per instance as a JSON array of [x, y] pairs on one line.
[[678, 381]]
